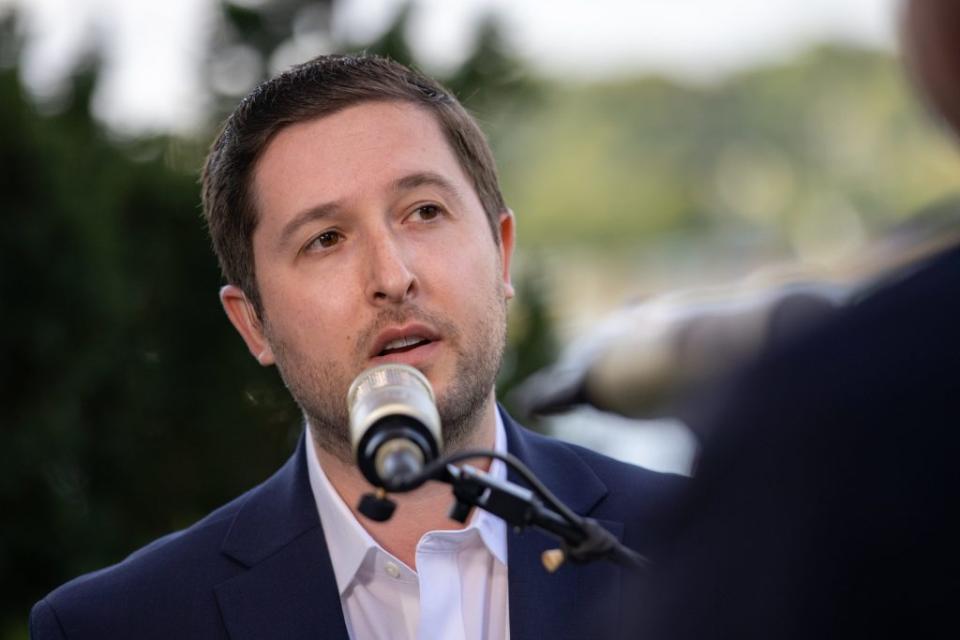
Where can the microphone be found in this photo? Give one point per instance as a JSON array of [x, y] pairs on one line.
[[394, 424]]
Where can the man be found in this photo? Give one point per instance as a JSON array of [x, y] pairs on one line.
[[355, 211], [824, 504]]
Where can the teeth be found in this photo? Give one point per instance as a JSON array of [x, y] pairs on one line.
[[400, 343]]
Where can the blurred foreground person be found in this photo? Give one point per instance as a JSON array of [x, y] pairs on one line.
[[825, 498]]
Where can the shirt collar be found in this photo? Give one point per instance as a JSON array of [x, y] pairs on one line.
[[348, 543], [493, 529]]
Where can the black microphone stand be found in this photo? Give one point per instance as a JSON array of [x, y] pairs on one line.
[[582, 539]]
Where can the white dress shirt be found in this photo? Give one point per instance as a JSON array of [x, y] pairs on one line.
[[460, 592]]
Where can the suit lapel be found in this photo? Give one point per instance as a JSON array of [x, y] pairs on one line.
[[572, 602], [289, 589]]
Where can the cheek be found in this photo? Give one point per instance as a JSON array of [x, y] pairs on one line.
[[454, 274], [312, 311], [464, 257]]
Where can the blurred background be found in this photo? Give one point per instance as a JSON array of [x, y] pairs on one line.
[[692, 180]]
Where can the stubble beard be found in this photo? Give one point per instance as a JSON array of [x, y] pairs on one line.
[[320, 388]]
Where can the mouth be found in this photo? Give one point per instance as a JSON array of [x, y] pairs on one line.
[[402, 344]]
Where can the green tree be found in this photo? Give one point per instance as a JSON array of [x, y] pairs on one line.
[[128, 408]]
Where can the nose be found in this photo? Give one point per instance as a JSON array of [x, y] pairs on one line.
[[391, 280]]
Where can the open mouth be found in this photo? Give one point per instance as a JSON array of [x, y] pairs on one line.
[[402, 345]]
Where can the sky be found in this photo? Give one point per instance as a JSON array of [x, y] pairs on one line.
[[151, 79]]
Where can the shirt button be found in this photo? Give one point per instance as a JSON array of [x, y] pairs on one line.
[[392, 569]]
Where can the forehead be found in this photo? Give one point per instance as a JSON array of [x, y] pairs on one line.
[[351, 154]]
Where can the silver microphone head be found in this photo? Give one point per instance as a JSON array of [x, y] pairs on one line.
[[394, 423]]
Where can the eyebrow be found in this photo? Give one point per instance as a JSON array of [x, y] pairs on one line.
[[428, 179], [307, 216]]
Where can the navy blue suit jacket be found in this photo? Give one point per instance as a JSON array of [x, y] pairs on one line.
[[259, 568]]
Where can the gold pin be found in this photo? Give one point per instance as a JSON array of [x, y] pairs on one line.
[[552, 559]]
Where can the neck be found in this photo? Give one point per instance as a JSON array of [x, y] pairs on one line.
[[419, 511]]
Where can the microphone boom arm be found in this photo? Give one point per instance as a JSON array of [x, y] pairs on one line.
[[582, 539]]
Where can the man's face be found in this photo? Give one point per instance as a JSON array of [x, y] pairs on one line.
[[372, 247]]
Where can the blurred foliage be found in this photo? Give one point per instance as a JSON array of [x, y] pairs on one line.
[[254, 43], [531, 337], [793, 154], [393, 42], [128, 408]]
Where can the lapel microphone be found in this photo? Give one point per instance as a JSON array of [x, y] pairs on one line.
[[394, 424]]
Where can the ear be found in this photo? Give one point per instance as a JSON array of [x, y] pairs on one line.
[[507, 236], [245, 320]]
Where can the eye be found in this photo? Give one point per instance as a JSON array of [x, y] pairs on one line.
[[427, 212], [325, 240]]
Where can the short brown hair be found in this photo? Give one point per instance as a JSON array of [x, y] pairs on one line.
[[318, 88]]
